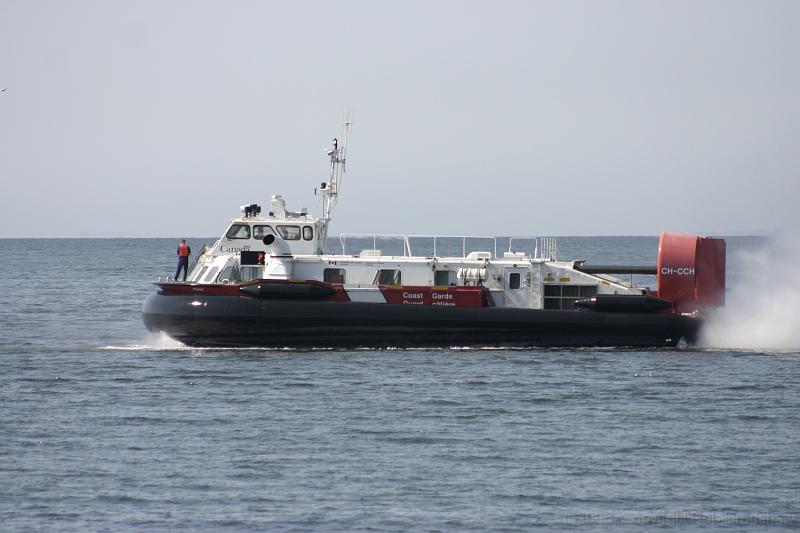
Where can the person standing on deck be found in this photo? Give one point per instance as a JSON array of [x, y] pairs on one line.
[[183, 259]]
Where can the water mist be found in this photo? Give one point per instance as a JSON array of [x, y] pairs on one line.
[[762, 311]]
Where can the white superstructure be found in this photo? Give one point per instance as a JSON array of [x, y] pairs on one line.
[[521, 272]]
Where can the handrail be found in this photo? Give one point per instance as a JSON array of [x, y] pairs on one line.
[[543, 247]]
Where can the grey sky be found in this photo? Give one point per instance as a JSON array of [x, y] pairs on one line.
[[160, 118]]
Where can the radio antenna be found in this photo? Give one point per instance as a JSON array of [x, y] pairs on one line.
[[330, 190]]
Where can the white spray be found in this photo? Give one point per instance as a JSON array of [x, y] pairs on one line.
[[762, 310], [152, 342]]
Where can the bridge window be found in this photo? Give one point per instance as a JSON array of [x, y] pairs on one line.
[[514, 280], [308, 233], [260, 231], [333, 275], [238, 231], [387, 276], [289, 233]]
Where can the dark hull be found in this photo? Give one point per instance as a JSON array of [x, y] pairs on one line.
[[200, 320]]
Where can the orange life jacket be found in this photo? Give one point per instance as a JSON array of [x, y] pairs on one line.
[[183, 250]]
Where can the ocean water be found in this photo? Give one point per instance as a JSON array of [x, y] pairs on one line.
[[104, 427]]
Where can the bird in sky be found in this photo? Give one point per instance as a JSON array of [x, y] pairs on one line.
[[3, 90]]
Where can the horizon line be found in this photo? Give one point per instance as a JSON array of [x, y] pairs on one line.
[[109, 237]]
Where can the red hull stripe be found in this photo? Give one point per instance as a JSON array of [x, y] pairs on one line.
[[437, 296], [234, 289], [397, 295], [193, 288]]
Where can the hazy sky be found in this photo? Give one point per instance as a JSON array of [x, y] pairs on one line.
[[160, 118]]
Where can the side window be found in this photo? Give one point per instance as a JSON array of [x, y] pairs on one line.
[[238, 231], [250, 272], [387, 276], [587, 291], [229, 274], [514, 280], [260, 231], [201, 273], [289, 233], [565, 296], [308, 233], [570, 291], [333, 275], [250, 257], [210, 276], [444, 278]]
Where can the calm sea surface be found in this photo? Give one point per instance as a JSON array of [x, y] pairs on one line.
[[104, 427]]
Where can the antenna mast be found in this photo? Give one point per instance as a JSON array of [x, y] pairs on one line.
[[330, 189]]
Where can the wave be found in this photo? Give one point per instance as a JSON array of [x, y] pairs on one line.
[[153, 342]]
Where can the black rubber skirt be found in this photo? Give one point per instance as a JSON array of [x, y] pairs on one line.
[[198, 320]]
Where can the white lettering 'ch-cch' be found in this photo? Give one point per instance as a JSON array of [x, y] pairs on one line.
[[678, 271]]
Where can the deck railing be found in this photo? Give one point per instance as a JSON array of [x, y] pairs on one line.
[[448, 245]]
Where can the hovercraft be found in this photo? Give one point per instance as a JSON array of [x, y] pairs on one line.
[[273, 280]]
